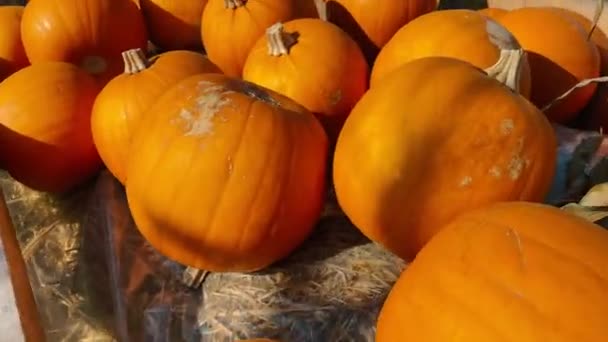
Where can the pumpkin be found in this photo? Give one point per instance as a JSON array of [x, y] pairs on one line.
[[313, 62], [123, 101], [493, 13], [89, 33], [230, 28], [595, 116], [437, 138], [308, 8], [12, 55], [373, 22], [174, 25], [238, 173], [45, 111], [434, 34], [511, 271], [560, 56]]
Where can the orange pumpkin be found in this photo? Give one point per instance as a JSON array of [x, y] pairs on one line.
[[313, 62], [437, 138], [595, 115], [451, 33], [513, 271], [560, 56], [238, 173], [45, 111], [88, 33], [123, 101], [373, 22], [230, 28], [493, 13], [174, 24], [12, 55]]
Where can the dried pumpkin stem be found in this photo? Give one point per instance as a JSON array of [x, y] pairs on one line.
[[135, 60], [581, 84], [508, 68], [279, 41], [232, 4], [599, 9], [321, 6]]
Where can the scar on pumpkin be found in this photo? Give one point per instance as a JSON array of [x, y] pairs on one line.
[[513, 234]]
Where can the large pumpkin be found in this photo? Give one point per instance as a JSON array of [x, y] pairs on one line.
[[437, 138], [174, 24], [459, 33], [560, 56], [123, 101], [45, 112], [373, 22], [230, 28], [12, 54], [88, 33], [514, 271], [225, 175], [313, 62]]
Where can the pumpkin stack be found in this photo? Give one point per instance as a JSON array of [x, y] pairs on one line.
[[434, 127]]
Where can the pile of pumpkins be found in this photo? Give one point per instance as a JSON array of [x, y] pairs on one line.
[[434, 127]]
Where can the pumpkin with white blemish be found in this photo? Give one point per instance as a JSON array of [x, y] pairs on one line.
[[313, 62], [514, 271], [124, 100], [238, 173], [480, 41], [435, 139]]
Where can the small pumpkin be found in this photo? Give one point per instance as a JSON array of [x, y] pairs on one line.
[[174, 25], [89, 33], [123, 101], [373, 22], [560, 56], [45, 111], [435, 139], [230, 28], [493, 13], [313, 62], [512, 271], [238, 173], [12, 54], [451, 33]]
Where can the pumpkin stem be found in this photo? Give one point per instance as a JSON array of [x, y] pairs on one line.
[[581, 84], [279, 41], [135, 60], [232, 4], [321, 6], [508, 68]]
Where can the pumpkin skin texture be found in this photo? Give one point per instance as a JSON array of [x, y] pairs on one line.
[[406, 165], [89, 33], [243, 174], [124, 100], [432, 34], [373, 22], [174, 25], [560, 56], [230, 28], [12, 54], [323, 69], [46, 142], [512, 271], [493, 13]]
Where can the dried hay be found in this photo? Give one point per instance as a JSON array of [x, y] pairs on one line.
[[330, 289]]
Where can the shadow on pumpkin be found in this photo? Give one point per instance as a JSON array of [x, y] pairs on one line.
[[158, 18], [41, 166], [341, 17], [553, 75]]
